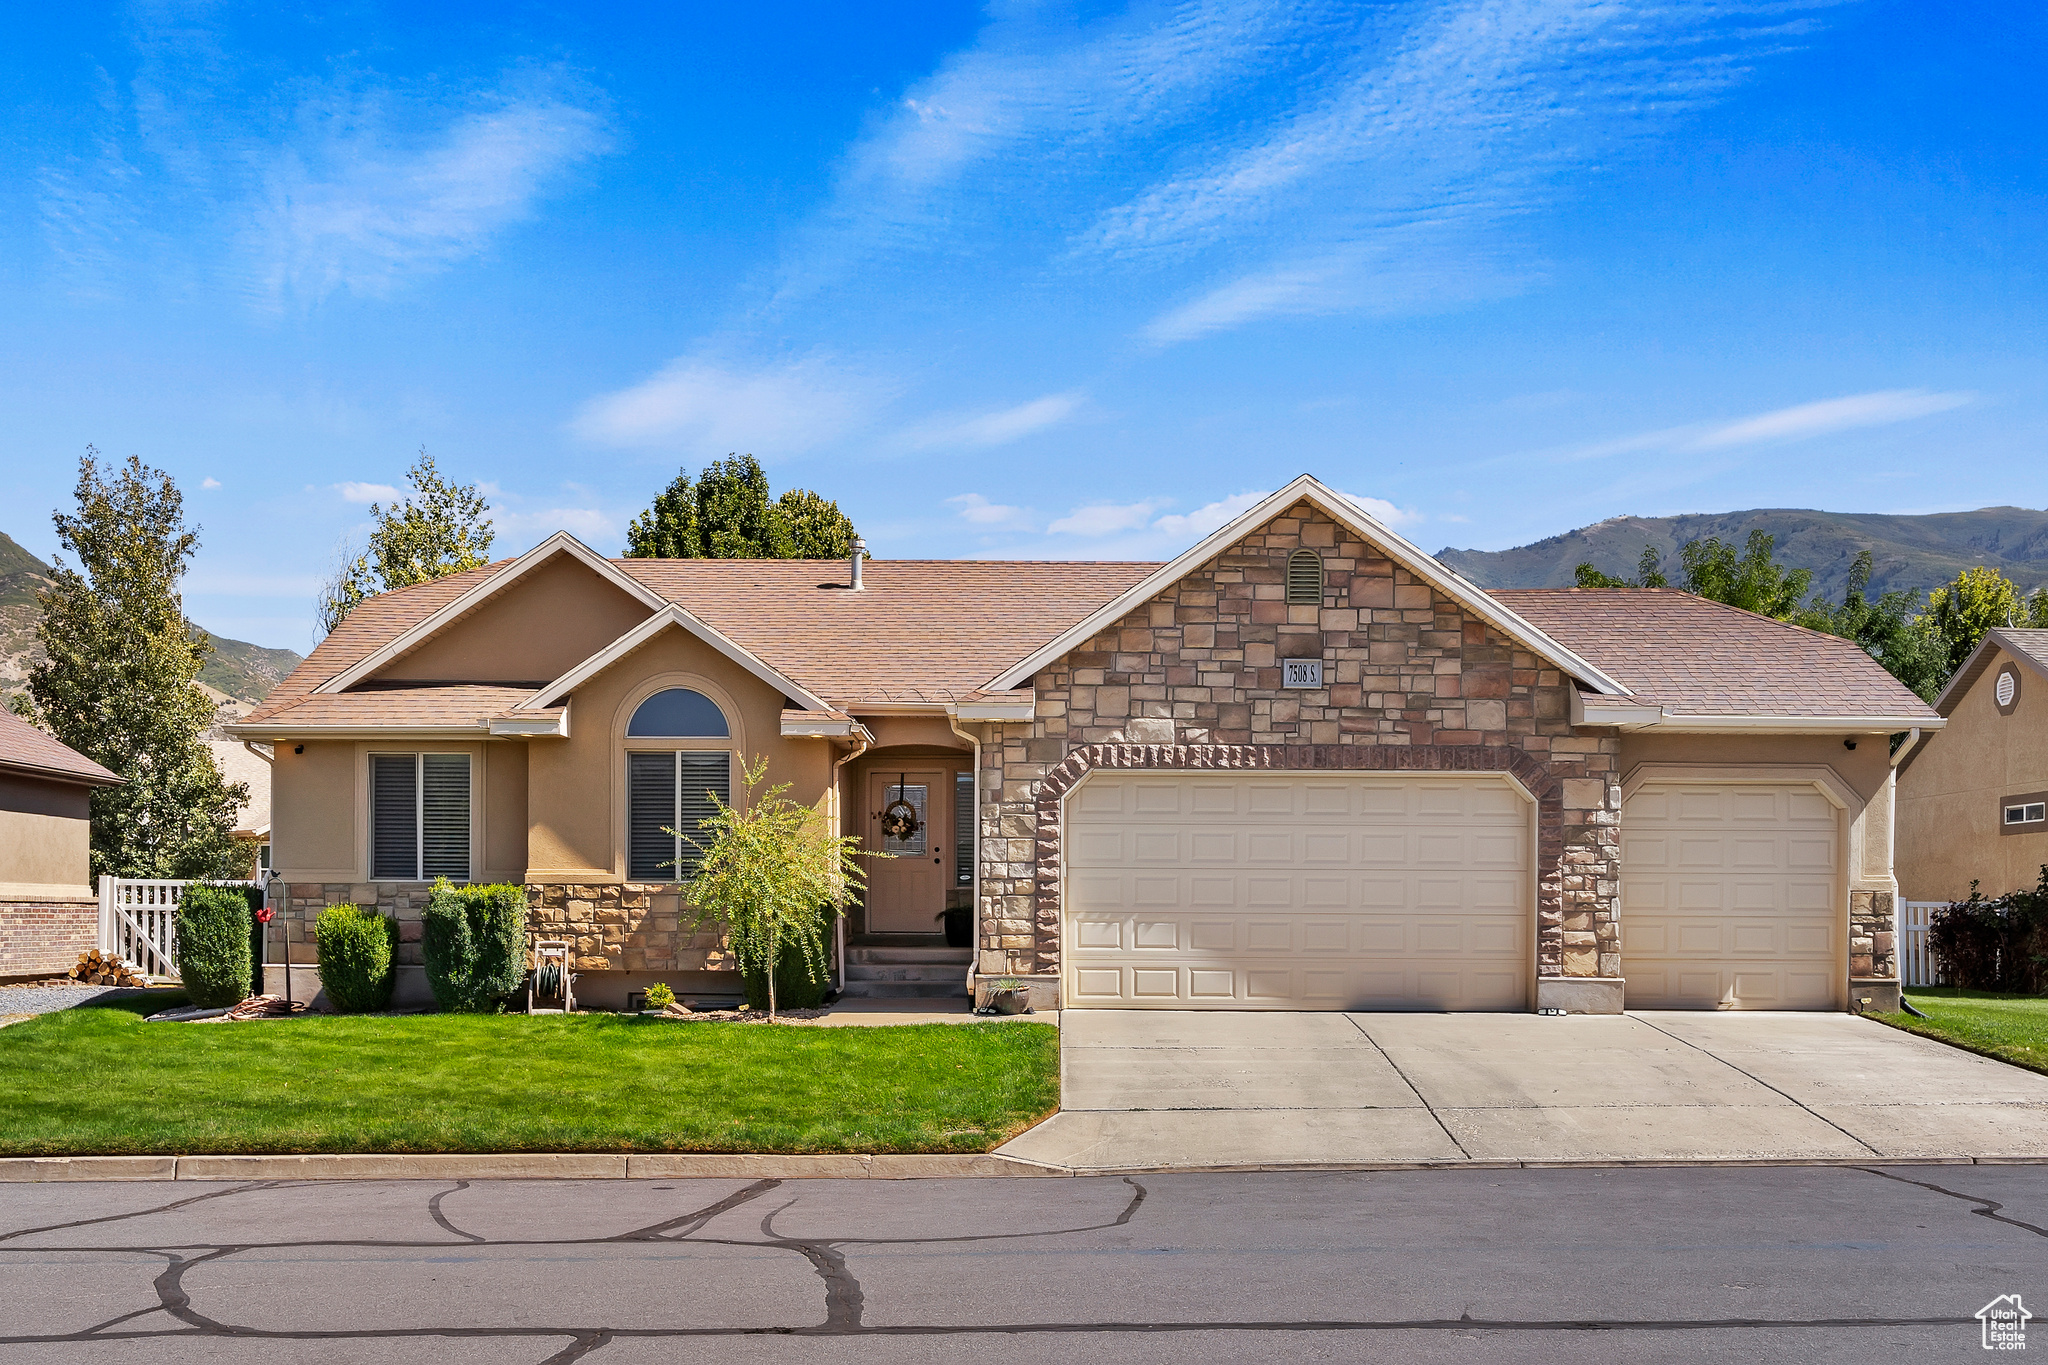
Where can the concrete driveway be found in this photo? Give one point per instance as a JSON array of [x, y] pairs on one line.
[[1151, 1090]]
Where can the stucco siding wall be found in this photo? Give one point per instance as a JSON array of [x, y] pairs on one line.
[[505, 802], [538, 629], [1192, 679], [313, 810], [1949, 814], [575, 786], [45, 832]]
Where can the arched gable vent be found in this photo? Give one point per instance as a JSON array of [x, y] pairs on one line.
[[1305, 579]]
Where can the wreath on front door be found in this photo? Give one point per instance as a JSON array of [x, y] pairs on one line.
[[899, 817]]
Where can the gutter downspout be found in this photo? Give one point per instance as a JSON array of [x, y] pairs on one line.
[[974, 920], [1892, 840], [862, 742]]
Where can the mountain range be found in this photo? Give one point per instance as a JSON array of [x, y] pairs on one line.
[[1910, 553], [243, 671]]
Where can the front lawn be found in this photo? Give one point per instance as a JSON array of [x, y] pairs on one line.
[[2012, 1028], [96, 1080]]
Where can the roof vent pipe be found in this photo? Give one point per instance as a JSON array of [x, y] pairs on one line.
[[860, 547]]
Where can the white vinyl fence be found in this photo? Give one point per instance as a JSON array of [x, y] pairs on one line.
[[1916, 964], [139, 921]]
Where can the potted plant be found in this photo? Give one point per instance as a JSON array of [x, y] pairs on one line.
[[959, 927], [1008, 995]]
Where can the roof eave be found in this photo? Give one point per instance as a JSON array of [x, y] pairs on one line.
[[102, 778], [279, 731], [1674, 723], [1973, 668]]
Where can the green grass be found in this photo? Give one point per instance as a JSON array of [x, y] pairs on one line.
[[97, 1080], [2012, 1028]]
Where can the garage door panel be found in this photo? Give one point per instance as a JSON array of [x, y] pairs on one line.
[[1730, 897], [1295, 891]]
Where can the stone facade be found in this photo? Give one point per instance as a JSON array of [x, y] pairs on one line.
[[1872, 953], [46, 937], [1192, 679], [629, 927], [634, 927]]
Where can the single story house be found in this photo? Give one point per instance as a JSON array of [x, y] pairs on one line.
[[1973, 800], [1300, 766], [49, 913]]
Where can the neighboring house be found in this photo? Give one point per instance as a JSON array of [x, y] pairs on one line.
[[1973, 800], [49, 913], [1302, 766], [248, 764]]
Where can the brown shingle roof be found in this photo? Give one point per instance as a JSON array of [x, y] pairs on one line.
[[25, 749], [426, 706], [920, 630], [1694, 657]]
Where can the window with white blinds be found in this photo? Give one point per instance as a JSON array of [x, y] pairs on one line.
[[668, 797], [419, 817]]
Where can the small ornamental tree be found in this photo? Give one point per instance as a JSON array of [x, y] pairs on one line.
[[774, 877]]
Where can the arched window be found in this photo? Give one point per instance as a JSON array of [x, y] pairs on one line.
[[1304, 579], [678, 713]]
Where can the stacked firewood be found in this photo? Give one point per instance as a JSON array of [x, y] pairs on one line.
[[265, 1007], [104, 969]]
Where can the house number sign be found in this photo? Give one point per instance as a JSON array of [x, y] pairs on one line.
[[1301, 672]]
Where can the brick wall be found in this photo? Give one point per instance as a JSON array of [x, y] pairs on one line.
[[1192, 680], [46, 937]]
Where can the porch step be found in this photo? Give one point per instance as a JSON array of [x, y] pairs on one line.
[[905, 990], [955, 957]]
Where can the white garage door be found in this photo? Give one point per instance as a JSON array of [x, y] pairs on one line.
[[1729, 898], [1298, 891]]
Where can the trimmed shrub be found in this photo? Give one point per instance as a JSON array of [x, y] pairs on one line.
[[474, 939], [213, 945], [795, 986], [357, 946], [2001, 944]]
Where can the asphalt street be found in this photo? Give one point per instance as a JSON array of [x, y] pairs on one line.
[[1592, 1265]]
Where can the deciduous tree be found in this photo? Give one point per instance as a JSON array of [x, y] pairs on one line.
[[440, 529], [728, 513], [117, 682]]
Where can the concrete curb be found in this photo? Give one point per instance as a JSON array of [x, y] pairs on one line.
[[520, 1166]]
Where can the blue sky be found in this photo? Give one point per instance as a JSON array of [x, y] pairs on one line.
[[1037, 281]]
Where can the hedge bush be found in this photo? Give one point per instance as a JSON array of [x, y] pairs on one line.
[[1994, 944], [475, 945], [213, 945], [357, 946]]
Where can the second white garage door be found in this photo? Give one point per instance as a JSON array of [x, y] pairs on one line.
[[1729, 897], [1298, 891]]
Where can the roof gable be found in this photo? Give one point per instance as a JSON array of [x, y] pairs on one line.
[[476, 595], [670, 617], [2028, 648], [1354, 518]]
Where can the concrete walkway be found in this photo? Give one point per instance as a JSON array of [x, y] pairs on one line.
[[1150, 1090]]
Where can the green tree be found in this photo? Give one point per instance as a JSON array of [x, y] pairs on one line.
[[1649, 574], [728, 513], [116, 683], [1961, 610], [1886, 629], [1752, 579], [774, 875], [439, 529]]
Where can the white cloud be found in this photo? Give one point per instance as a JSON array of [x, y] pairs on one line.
[[1801, 422], [1192, 526], [367, 492], [209, 483], [1102, 519], [1878, 409], [1387, 514], [979, 511], [1003, 427], [590, 525], [361, 199], [701, 404]]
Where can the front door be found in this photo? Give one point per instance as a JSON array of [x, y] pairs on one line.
[[907, 892]]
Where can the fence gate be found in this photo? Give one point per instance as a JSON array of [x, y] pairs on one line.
[[1916, 964], [139, 921]]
